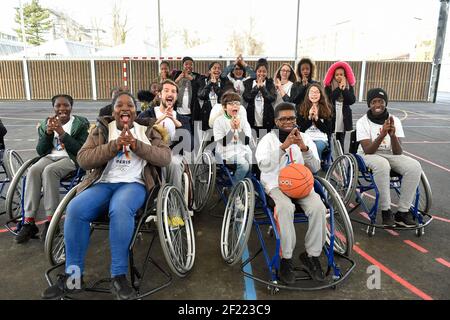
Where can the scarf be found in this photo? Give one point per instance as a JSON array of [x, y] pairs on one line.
[[282, 135], [379, 119]]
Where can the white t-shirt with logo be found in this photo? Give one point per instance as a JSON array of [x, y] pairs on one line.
[[316, 134], [184, 109], [368, 130], [58, 151], [259, 107], [287, 89], [167, 123], [125, 166]]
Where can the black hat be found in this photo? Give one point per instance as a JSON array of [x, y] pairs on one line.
[[376, 93], [187, 59]]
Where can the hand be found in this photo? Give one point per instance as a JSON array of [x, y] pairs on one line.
[[58, 126], [235, 123], [181, 76], [298, 140], [391, 131], [385, 129], [343, 83], [50, 125], [289, 140], [277, 84], [259, 82], [304, 80]]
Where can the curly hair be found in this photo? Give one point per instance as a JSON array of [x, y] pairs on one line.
[[324, 105]]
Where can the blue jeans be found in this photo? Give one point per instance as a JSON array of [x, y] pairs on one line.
[[122, 200], [321, 145]]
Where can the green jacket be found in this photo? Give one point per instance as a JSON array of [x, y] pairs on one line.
[[72, 142]]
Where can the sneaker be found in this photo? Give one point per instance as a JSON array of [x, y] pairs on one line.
[[60, 289], [44, 231], [121, 289], [175, 221], [404, 219], [388, 218], [312, 266], [286, 273], [28, 231]]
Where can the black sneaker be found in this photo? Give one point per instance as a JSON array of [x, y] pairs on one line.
[[388, 218], [28, 231], [404, 219], [121, 289], [312, 266], [44, 231], [63, 286], [286, 273]]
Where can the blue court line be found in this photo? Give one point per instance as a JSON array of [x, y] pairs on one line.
[[250, 292]]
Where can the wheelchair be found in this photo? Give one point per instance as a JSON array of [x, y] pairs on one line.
[[10, 161], [165, 207], [353, 180], [256, 209], [16, 192]]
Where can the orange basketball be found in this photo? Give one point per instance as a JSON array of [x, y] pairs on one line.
[[296, 181]]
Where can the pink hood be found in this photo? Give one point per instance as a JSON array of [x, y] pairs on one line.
[[348, 71]]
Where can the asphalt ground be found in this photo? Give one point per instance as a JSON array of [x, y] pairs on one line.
[[410, 267]]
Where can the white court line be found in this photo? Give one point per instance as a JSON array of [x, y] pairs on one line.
[[425, 142], [428, 161]]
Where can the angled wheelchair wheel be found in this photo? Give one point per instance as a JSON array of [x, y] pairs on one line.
[[237, 221], [343, 231], [336, 147], [16, 190], [175, 230], [54, 247], [204, 180], [425, 194], [343, 176], [187, 185], [13, 162]]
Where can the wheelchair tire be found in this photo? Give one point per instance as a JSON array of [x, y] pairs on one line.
[[426, 196], [204, 178], [343, 176], [16, 190], [13, 162], [54, 247], [343, 231], [237, 222], [336, 147], [175, 229]]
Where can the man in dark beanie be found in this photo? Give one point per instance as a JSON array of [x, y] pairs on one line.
[[186, 80], [379, 135]]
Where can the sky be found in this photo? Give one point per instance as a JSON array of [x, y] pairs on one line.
[[392, 22]]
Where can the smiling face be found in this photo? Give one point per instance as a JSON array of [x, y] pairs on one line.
[[339, 74], [238, 72], [305, 70], [285, 72], [286, 120], [188, 66], [168, 95], [124, 111], [62, 109], [314, 94], [377, 106], [261, 73], [216, 70], [164, 69]]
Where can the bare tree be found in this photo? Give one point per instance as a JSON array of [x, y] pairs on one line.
[[189, 40], [246, 43], [119, 27]]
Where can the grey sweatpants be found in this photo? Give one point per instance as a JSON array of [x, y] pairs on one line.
[[314, 209], [174, 171], [409, 168], [45, 174]]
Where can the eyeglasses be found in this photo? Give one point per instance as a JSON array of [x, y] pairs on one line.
[[287, 119], [234, 103]]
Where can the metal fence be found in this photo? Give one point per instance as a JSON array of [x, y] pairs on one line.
[[93, 79]]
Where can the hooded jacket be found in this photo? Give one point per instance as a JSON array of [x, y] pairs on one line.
[[269, 94], [348, 94], [97, 151]]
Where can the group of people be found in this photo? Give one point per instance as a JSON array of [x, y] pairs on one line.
[[122, 152]]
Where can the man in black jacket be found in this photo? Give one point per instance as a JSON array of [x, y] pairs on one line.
[[3, 132]]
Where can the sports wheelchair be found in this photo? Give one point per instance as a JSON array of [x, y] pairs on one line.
[[164, 206], [255, 208], [10, 161], [16, 193], [353, 180]]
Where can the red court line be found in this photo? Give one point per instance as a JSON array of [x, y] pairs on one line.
[[443, 261], [415, 246], [365, 215], [428, 161], [392, 274], [441, 219], [38, 223]]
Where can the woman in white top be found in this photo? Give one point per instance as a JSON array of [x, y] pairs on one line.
[[284, 79]]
